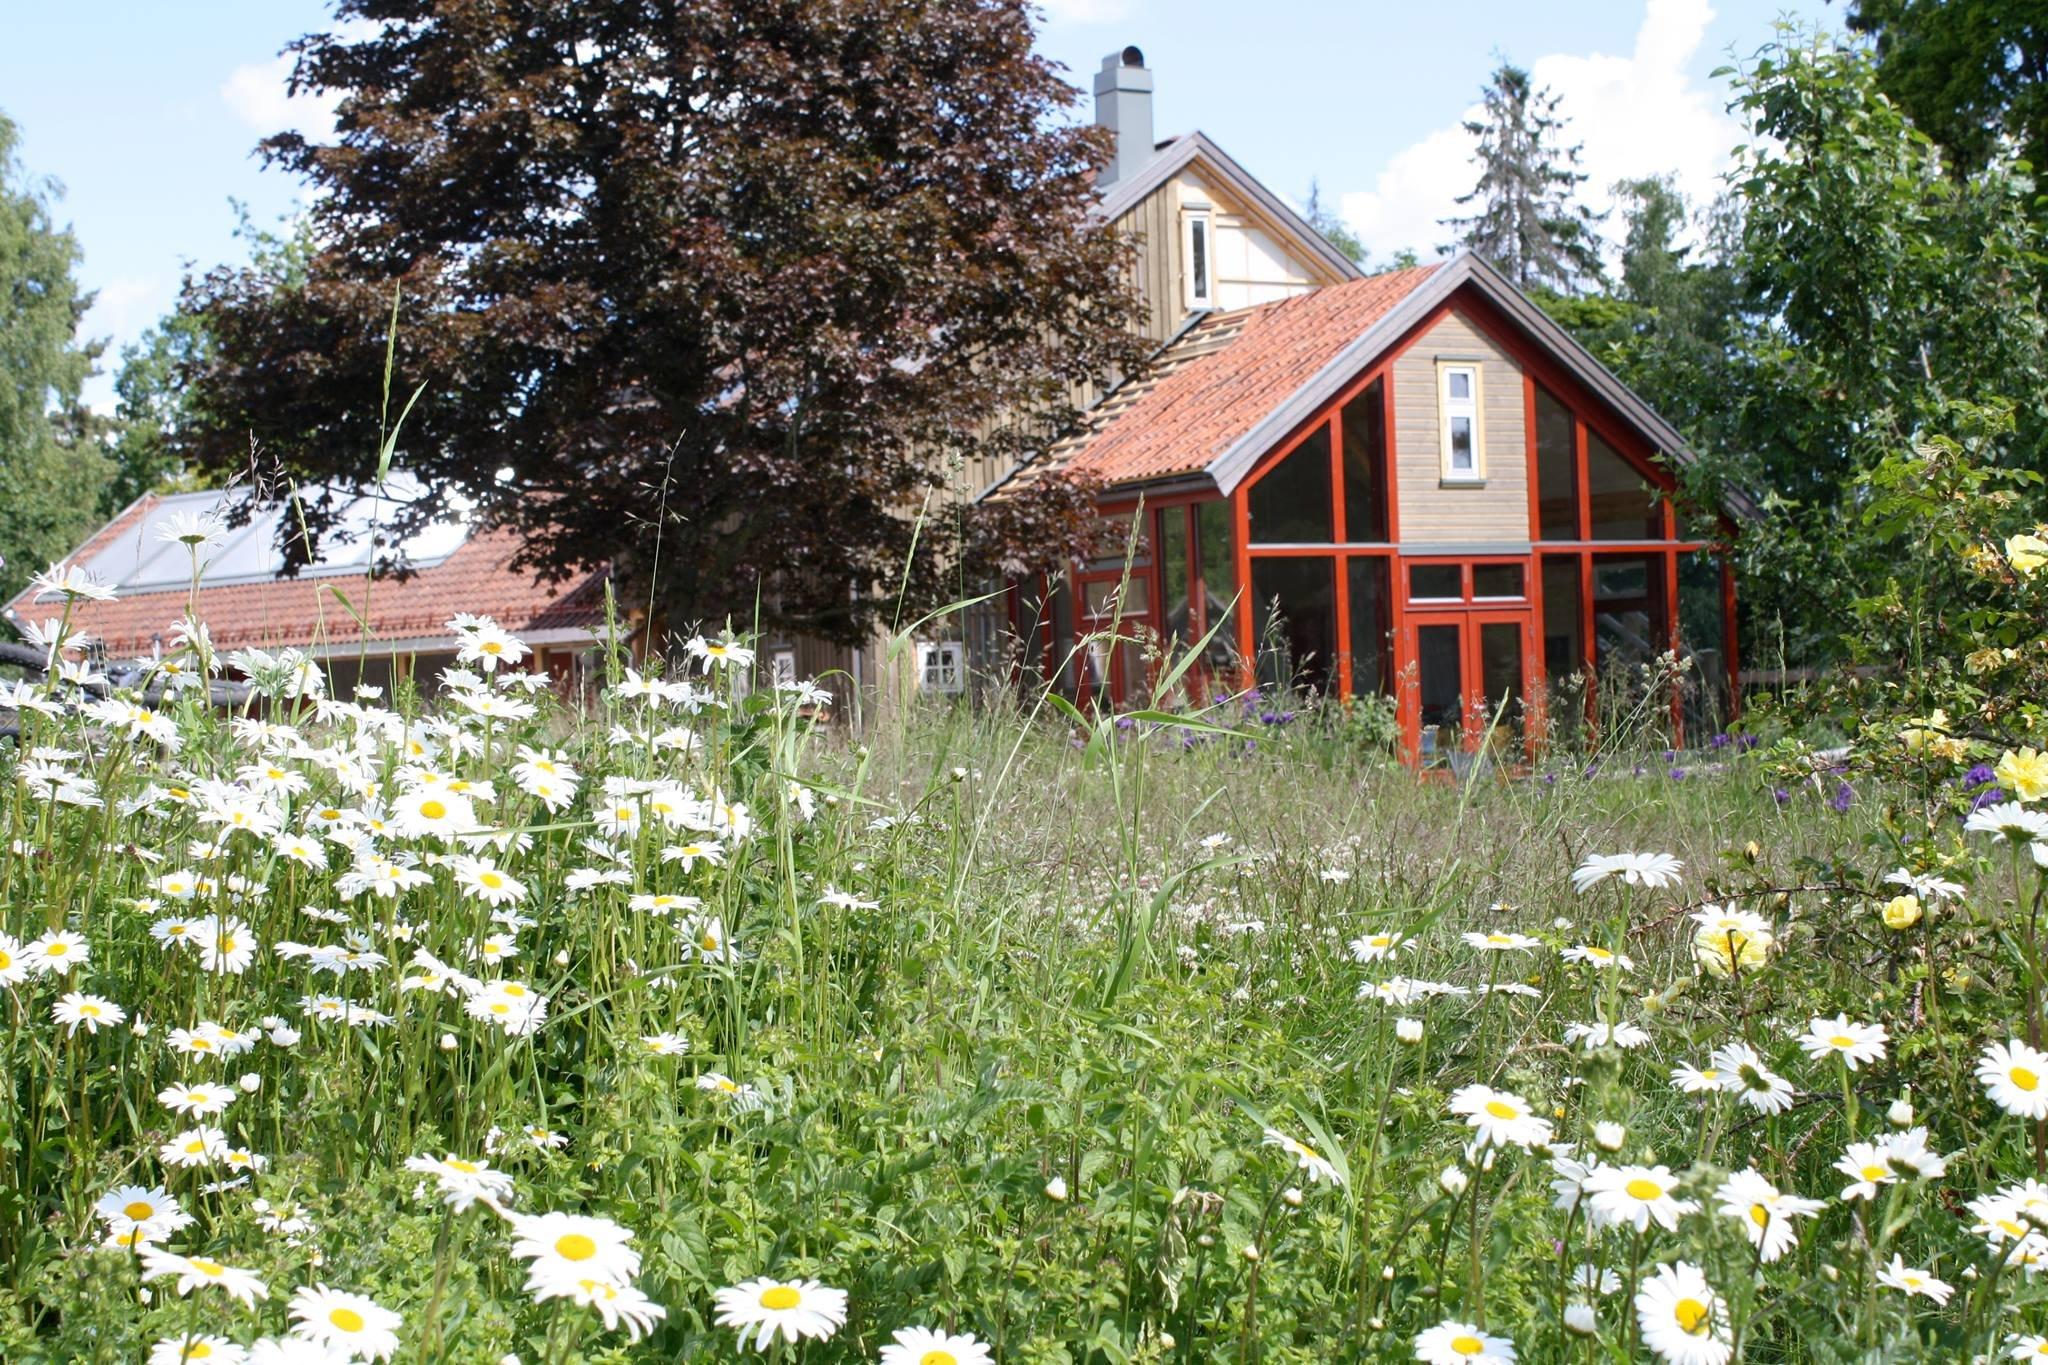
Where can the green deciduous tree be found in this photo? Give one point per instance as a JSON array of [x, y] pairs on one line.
[[51, 472], [1529, 221], [1971, 74], [741, 280]]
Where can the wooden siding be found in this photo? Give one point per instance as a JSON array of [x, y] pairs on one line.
[[1433, 512]]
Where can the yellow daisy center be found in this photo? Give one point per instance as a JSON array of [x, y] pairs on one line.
[[347, 1319], [198, 1350], [59, 949], [2021, 1077], [938, 1357], [210, 1268], [433, 810], [138, 1210], [1876, 1173], [1842, 1040], [575, 1246], [493, 647], [89, 1011], [466, 1167], [1468, 1345], [1645, 1190], [6, 960], [780, 1299], [1500, 1109], [1691, 1314], [1759, 1215], [492, 880]]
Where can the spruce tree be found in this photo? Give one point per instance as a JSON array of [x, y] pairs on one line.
[[1528, 220]]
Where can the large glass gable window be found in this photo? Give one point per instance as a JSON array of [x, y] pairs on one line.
[[1290, 504]]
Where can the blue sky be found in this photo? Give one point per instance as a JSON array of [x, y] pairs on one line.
[[147, 112]]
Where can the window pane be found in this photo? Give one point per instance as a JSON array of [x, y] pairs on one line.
[[1100, 596], [1296, 604], [1436, 581], [1111, 543], [1564, 648], [1460, 384], [1218, 563], [1557, 470], [1372, 652], [1500, 678], [1290, 504], [1629, 628], [1440, 689], [1365, 463], [1702, 640], [1497, 580], [1461, 445], [1199, 257], [1622, 504], [1173, 574]]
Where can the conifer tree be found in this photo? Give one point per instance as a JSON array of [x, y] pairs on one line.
[[1527, 218]]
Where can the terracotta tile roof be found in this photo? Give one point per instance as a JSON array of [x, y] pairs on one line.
[[1210, 386], [305, 611]]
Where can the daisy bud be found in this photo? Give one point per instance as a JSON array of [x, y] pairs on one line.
[[139, 1028], [1056, 1190], [1580, 1320], [1251, 1251], [1833, 1274], [1205, 1240], [562, 958], [283, 1035], [1752, 850], [250, 1083], [447, 1042], [1292, 1196], [959, 774], [1408, 1031], [1387, 1273], [1454, 1180], [1609, 1136], [1167, 1340], [1900, 1115], [1377, 1324]]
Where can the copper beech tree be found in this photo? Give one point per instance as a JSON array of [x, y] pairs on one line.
[[738, 278]]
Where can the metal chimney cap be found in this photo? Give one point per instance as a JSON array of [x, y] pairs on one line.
[[1133, 56]]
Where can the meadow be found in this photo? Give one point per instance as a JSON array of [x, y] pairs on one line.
[[691, 1025]]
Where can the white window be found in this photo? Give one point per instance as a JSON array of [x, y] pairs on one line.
[[782, 668], [1464, 440], [941, 666], [1199, 242]]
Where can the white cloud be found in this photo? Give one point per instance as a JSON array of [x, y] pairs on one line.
[[1638, 115], [258, 92]]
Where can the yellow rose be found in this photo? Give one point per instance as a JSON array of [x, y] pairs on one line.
[[1720, 952], [2026, 554], [2024, 773], [1901, 912]]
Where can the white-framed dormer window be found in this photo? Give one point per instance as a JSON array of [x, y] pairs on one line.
[[941, 666], [1463, 435], [1198, 243]]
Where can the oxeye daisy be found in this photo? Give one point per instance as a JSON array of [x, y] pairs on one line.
[[488, 882], [131, 1206], [14, 964], [56, 952], [197, 1101], [923, 1346], [665, 1044], [1500, 1118], [1765, 1213], [75, 1010], [200, 1146], [1681, 1317], [789, 1309], [744, 1098], [1635, 1196], [1499, 941], [1744, 1075], [1654, 870], [463, 1182], [1865, 1165], [340, 1321], [1460, 1343], [1904, 1278], [1855, 1044], [573, 1244], [197, 1348], [1592, 955], [619, 1305], [2016, 1078], [197, 1272], [1306, 1158], [706, 935], [1374, 947]]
